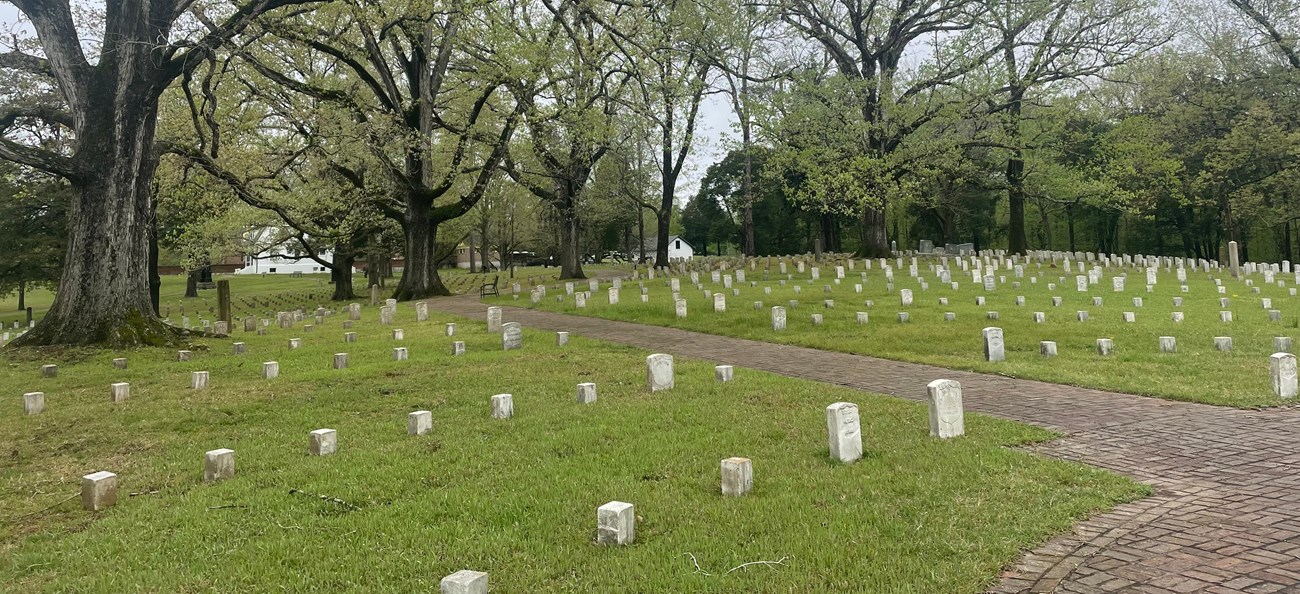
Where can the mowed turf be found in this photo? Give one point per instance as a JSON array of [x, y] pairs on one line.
[[1196, 372], [290, 291], [516, 498]]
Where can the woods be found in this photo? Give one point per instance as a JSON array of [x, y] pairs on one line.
[[570, 129]]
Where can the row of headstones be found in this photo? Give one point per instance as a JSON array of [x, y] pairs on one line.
[[512, 338], [1282, 365]]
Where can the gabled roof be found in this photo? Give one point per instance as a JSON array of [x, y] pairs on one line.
[[652, 243]]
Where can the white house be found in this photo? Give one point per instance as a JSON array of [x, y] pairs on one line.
[[678, 248], [271, 252]]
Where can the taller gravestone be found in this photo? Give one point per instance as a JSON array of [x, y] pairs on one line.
[[494, 319]]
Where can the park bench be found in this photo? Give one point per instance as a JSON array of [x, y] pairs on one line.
[[489, 288]]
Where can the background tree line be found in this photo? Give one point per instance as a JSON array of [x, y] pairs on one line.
[[371, 129]]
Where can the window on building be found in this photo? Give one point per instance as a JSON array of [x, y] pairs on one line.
[[272, 270], [679, 244]]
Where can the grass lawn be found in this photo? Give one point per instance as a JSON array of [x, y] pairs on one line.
[[1197, 372], [515, 498], [282, 291]]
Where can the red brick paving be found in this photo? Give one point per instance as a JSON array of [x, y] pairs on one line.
[[1226, 514]]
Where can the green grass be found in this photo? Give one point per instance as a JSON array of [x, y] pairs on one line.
[[516, 498], [272, 293], [1197, 372]]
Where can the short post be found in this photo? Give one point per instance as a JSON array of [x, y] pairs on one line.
[[615, 523], [270, 370], [419, 422], [218, 465], [120, 391], [99, 491], [503, 406], [723, 373], [737, 476], [458, 348], [464, 582], [401, 354], [323, 442], [586, 393], [198, 380], [340, 360]]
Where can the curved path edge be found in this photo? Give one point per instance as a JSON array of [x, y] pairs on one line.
[[1226, 514]]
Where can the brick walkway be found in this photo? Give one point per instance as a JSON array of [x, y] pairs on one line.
[[1226, 515]]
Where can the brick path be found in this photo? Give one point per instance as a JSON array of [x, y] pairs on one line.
[[1226, 515]]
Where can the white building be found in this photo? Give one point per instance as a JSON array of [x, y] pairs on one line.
[[273, 253], [678, 248]]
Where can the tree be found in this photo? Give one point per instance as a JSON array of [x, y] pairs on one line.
[[663, 47], [569, 102], [33, 236], [422, 82], [110, 104], [1045, 45], [868, 44]]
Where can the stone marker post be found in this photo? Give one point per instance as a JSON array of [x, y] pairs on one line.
[[615, 523], [218, 465], [1284, 375], [99, 491], [503, 406], [464, 582], [737, 476], [419, 422], [323, 442], [946, 416], [494, 319], [512, 336], [844, 431], [1234, 261], [586, 393]]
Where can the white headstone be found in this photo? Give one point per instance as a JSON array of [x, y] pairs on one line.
[[659, 372], [994, 349], [844, 431], [946, 416]]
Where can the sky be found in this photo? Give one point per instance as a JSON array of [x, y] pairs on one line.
[[713, 132]]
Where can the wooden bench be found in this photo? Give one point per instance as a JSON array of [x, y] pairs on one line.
[[489, 288]]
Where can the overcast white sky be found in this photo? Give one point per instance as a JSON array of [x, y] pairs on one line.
[[715, 127]]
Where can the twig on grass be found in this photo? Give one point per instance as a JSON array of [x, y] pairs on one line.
[[697, 564], [327, 498], [780, 561], [228, 507], [47, 508], [700, 570]]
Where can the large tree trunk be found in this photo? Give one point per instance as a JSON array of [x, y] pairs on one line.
[[22, 295], [875, 233], [664, 217], [570, 251], [341, 275], [103, 294], [420, 278]]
